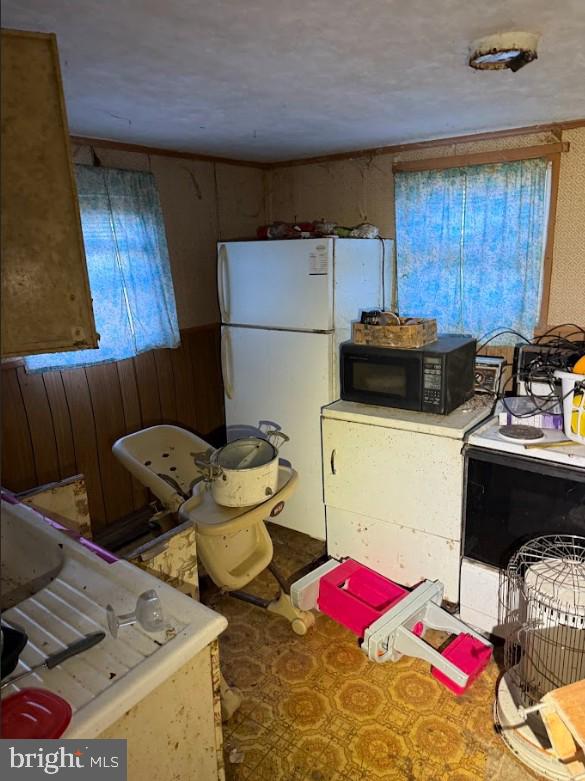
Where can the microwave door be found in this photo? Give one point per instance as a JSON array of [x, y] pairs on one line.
[[394, 381]]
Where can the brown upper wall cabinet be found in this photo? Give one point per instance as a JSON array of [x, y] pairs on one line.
[[46, 301]]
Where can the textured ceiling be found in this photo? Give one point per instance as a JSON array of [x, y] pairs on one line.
[[276, 79]]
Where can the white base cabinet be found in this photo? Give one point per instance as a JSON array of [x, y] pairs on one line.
[[393, 489], [402, 554], [175, 732], [414, 480]]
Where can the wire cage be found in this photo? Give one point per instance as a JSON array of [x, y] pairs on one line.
[[543, 601]]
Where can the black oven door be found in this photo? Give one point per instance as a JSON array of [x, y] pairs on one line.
[[510, 499], [391, 378]]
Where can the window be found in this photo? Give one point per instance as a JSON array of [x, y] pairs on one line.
[[128, 267], [470, 245]]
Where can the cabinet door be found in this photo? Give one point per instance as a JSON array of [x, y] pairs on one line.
[[404, 555], [46, 302], [411, 479]]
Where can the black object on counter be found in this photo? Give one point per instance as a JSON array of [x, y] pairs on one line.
[[13, 643], [73, 649]]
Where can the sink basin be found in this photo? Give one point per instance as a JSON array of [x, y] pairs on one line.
[[31, 559], [59, 587]]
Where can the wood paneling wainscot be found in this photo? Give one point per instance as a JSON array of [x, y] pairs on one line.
[[61, 423]]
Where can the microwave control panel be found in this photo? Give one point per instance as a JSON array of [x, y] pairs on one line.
[[432, 373]]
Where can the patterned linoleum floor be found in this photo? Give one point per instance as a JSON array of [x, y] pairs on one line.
[[315, 709]]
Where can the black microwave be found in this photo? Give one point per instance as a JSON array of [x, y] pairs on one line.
[[435, 378]]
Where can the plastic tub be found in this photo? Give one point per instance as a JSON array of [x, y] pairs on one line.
[[573, 395], [356, 596], [470, 655]]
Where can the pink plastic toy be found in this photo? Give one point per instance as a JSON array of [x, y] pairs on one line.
[[470, 655], [356, 596], [391, 621]]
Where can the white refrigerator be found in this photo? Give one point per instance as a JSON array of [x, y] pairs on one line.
[[285, 308]]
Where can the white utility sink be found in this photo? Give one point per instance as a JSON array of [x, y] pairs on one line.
[[58, 590]]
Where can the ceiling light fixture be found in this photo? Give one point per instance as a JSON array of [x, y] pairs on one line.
[[512, 50]]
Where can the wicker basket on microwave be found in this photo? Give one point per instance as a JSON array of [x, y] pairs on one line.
[[410, 332]]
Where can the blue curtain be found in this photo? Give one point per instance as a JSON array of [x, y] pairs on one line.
[[128, 266], [470, 245]]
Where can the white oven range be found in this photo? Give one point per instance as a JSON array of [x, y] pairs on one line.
[[512, 493]]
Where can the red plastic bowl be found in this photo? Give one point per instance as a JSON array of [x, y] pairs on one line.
[[35, 714]]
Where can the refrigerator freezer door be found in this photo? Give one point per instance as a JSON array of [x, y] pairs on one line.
[[283, 377], [277, 284], [360, 278]]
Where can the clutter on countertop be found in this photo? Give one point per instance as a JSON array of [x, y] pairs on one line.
[[521, 434], [148, 614], [35, 714], [573, 398], [488, 374], [70, 598], [521, 410], [13, 642], [548, 394], [387, 329], [53, 660], [315, 230], [476, 403]]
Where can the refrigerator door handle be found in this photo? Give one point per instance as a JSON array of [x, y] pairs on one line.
[[332, 462], [221, 286], [226, 357]]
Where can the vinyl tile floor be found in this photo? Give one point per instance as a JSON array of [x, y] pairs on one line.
[[315, 709]]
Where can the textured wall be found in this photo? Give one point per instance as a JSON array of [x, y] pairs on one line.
[[567, 296], [201, 202], [359, 189], [346, 191], [354, 190]]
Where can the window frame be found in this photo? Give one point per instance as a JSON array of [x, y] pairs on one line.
[[551, 152]]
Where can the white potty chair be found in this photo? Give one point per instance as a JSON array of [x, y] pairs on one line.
[[233, 543]]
